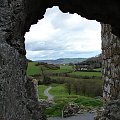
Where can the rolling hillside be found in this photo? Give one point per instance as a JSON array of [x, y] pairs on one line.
[[63, 60]]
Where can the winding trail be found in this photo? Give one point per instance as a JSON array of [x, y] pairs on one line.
[[84, 116], [46, 92]]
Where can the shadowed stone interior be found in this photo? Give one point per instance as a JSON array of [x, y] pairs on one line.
[[17, 101]]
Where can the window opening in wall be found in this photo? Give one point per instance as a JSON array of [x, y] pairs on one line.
[[64, 56]]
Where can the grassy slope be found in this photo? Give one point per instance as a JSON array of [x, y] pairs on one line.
[[97, 74], [66, 67], [58, 90], [32, 69], [41, 89], [63, 69], [61, 98]]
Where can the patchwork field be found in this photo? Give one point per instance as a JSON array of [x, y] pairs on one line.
[[80, 87]]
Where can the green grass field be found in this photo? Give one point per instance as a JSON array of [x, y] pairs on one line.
[[33, 69], [58, 90], [63, 69], [62, 98], [89, 74], [66, 67], [41, 89]]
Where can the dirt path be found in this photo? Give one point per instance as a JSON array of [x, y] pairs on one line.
[[46, 92], [85, 116]]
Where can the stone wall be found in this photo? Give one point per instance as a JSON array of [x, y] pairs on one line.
[[33, 105], [12, 64], [111, 74], [14, 99], [111, 63]]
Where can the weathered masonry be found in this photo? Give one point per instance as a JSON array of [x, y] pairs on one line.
[[17, 101]]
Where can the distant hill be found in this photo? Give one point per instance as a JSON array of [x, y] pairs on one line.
[[64, 60], [95, 62]]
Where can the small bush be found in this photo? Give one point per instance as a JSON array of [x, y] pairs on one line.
[[46, 80]]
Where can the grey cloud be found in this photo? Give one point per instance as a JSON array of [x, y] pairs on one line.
[[52, 44], [57, 45]]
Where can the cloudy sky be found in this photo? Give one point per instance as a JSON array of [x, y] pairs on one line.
[[63, 35]]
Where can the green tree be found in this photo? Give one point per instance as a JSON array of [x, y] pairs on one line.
[[68, 86]]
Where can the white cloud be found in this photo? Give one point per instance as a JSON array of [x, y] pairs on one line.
[[63, 35]]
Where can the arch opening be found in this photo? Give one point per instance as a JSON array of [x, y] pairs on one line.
[[62, 35], [51, 28]]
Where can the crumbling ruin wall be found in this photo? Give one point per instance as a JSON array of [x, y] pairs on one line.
[[16, 17], [111, 63], [16, 100], [111, 74], [12, 63]]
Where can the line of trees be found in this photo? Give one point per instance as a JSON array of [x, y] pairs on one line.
[[84, 87]]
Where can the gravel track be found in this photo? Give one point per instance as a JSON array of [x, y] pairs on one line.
[[46, 92], [85, 116]]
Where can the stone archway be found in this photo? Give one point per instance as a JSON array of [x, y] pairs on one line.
[[16, 17]]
